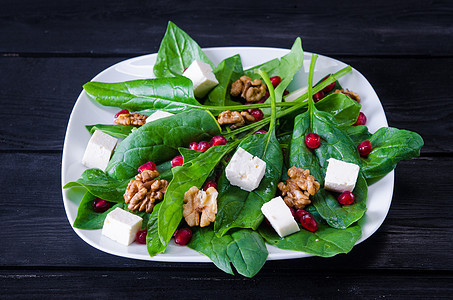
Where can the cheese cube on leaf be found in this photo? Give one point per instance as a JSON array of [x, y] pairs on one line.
[[280, 217], [202, 77], [99, 150], [340, 176], [245, 170], [121, 226]]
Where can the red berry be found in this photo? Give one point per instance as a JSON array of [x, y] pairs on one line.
[[361, 120], [260, 131], [308, 222], [140, 237], [203, 146], [285, 92], [318, 96], [275, 80], [100, 205], [121, 112], [312, 140], [364, 148], [210, 183], [177, 161], [300, 213], [147, 166], [293, 212], [183, 236], [218, 140], [346, 198], [256, 113], [193, 146], [329, 87]]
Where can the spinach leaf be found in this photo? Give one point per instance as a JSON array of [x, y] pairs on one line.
[[191, 173], [177, 51], [247, 252], [358, 133], [153, 243], [389, 146], [205, 241], [170, 94], [344, 109], [101, 185], [158, 141], [228, 71], [119, 131], [86, 217]]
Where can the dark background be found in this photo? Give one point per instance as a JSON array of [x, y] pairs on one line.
[[48, 50]]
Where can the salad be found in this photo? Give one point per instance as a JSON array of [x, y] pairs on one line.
[[276, 134]]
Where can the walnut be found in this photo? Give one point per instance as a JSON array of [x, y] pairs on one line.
[[351, 94], [298, 188], [250, 90], [143, 191], [237, 119], [198, 202], [131, 119]]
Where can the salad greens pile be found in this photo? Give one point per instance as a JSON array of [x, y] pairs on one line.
[[238, 236]]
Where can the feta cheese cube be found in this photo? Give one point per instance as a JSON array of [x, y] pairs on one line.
[[202, 77], [99, 150], [159, 114], [245, 170], [280, 217], [121, 226], [296, 94], [340, 176]]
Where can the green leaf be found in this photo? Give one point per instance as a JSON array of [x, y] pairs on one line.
[[169, 94], [206, 242], [153, 243], [177, 51], [247, 252], [119, 131], [389, 146], [101, 185], [344, 109], [158, 141], [357, 133], [87, 218], [228, 71]]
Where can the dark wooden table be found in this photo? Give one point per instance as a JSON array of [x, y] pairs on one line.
[[49, 49]]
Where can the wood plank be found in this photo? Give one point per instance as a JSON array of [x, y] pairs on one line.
[[119, 27], [417, 234], [183, 283], [40, 92]]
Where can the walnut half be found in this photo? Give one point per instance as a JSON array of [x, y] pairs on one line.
[[351, 94], [298, 187], [250, 90], [235, 118], [198, 202], [131, 119], [144, 190]]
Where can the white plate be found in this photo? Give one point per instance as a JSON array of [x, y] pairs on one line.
[[86, 112]]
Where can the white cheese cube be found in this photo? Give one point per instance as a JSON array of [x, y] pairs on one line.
[[245, 170], [296, 94], [159, 114], [340, 176], [280, 217], [99, 150], [202, 77], [121, 226]]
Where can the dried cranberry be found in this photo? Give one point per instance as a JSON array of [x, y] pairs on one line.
[[364, 148], [308, 222], [260, 131], [312, 140], [329, 87], [300, 213], [346, 198], [140, 237], [121, 112], [318, 96], [210, 183], [100, 205], [361, 120], [285, 92], [177, 161], [183, 236], [147, 166], [203, 146], [293, 212], [218, 140], [256, 113], [275, 80], [193, 146]]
